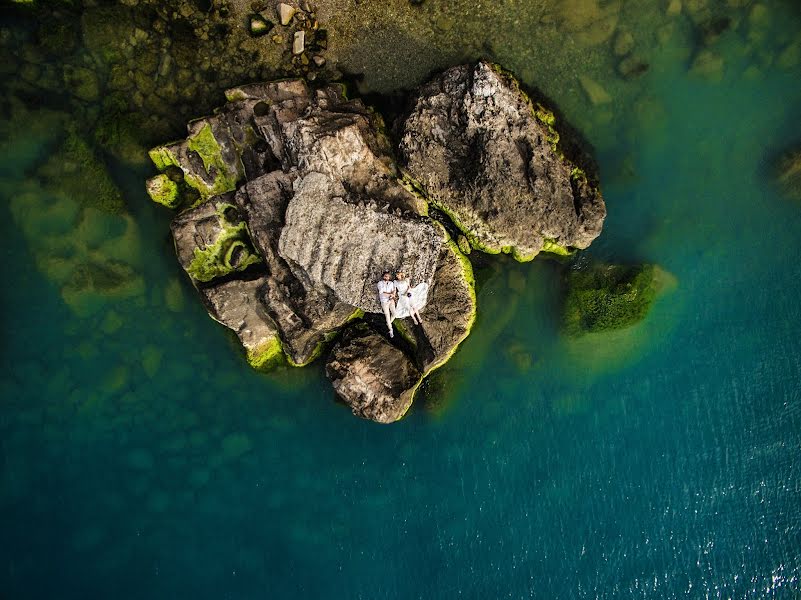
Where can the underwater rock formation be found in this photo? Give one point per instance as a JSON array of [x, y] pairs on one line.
[[788, 173], [292, 206], [601, 297], [491, 160]]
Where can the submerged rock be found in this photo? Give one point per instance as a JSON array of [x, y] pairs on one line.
[[490, 159], [373, 377], [788, 173], [601, 297]]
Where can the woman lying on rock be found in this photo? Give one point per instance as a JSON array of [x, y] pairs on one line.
[[410, 299]]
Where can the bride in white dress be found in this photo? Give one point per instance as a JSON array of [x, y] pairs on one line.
[[410, 299]]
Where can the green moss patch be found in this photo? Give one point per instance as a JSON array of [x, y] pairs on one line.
[[164, 191], [207, 147], [267, 356], [232, 251], [603, 297]]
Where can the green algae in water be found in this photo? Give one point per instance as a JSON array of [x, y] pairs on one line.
[[602, 297]]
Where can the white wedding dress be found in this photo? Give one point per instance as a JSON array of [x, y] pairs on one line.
[[418, 299]]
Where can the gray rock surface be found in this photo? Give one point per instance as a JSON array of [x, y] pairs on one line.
[[237, 305], [451, 309], [373, 377], [306, 316], [339, 240], [475, 143]]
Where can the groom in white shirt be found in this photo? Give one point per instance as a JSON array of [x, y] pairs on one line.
[[386, 295]]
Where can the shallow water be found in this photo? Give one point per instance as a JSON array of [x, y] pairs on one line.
[[141, 457]]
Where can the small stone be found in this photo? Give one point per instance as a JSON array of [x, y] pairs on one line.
[[709, 31], [319, 60], [278, 39], [791, 56], [674, 8], [299, 42], [321, 38], [151, 360], [595, 92], [174, 296], [624, 43], [235, 445], [285, 13], [708, 65], [632, 67], [112, 323], [259, 25]]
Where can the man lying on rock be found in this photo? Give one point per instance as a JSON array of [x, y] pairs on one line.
[[409, 300], [386, 295]]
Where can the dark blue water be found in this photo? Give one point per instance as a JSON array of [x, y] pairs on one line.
[[141, 457]]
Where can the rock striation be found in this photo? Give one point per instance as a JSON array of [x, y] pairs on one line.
[[291, 205], [490, 159]]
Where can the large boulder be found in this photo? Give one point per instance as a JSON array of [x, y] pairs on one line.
[[373, 377], [342, 241], [491, 160], [450, 312], [306, 315], [237, 304], [212, 240]]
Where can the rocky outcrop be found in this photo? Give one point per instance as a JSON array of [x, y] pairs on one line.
[[305, 316], [374, 378], [491, 160], [292, 207], [237, 305]]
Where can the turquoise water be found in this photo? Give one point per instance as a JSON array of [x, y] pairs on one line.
[[141, 457]]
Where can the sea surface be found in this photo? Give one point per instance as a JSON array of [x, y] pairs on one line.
[[140, 456]]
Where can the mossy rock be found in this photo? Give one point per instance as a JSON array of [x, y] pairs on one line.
[[266, 357], [231, 251], [601, 297], [164, 190]]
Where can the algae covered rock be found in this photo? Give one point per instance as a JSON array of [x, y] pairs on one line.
[[491, 160], [213, 241], [236, 304], [601, 297], [373, 377], [317, 240]]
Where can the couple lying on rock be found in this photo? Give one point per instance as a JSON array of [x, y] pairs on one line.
[[409, 299]]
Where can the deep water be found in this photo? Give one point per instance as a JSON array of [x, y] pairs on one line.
[[140, 457]]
